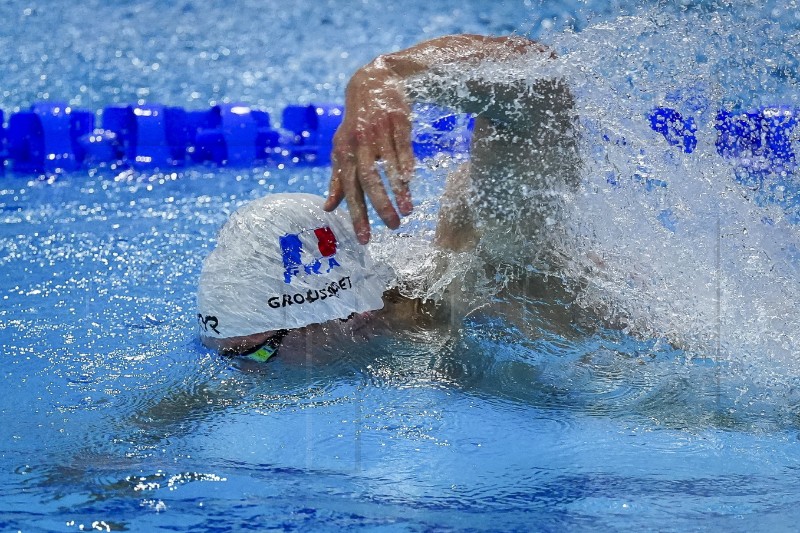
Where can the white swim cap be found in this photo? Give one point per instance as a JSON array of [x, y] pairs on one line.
[[282, 262]]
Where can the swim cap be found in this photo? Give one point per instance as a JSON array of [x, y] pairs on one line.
[[282, 262]]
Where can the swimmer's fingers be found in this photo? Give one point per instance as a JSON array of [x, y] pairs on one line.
[[384, 148], [357, 209], [384, 141], [370, 182], [344, 184], [341, 165], [401, 130]]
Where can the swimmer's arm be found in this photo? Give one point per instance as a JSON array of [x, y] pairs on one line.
[[377, 122], [443, 71]]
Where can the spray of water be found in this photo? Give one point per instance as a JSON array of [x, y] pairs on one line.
[[669, 243], [656, 241]]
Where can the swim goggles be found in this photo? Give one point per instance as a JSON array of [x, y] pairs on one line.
[[263, 352]]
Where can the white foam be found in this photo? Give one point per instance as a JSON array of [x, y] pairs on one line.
[[661, 243], [722, 282]]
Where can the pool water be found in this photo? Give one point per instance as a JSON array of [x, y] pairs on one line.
[[114, 417]]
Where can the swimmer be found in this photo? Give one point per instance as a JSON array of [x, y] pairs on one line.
[[291, 267]]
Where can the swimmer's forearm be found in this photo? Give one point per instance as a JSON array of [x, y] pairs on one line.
[[455, 49], [394, 69], [425, 73]]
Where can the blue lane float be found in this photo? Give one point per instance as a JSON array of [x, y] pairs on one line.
[[438, 131], [677, 130], [312, 129], [757, 142], [231, 134], [45, 138], [145, 135], [53, 137], [763, 135]]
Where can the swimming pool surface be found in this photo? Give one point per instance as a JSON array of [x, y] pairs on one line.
[[115, 418]]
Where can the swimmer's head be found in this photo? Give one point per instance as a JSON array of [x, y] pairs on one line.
[[282, 262]]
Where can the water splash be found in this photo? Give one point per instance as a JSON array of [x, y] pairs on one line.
[[661, 240], [669, 244]]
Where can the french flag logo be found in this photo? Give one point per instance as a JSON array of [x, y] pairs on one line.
[[309, 252]]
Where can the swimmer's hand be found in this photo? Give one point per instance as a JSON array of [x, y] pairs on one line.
[[377, 120], [376, 127]]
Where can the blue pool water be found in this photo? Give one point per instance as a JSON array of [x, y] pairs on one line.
[[114, 417]]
